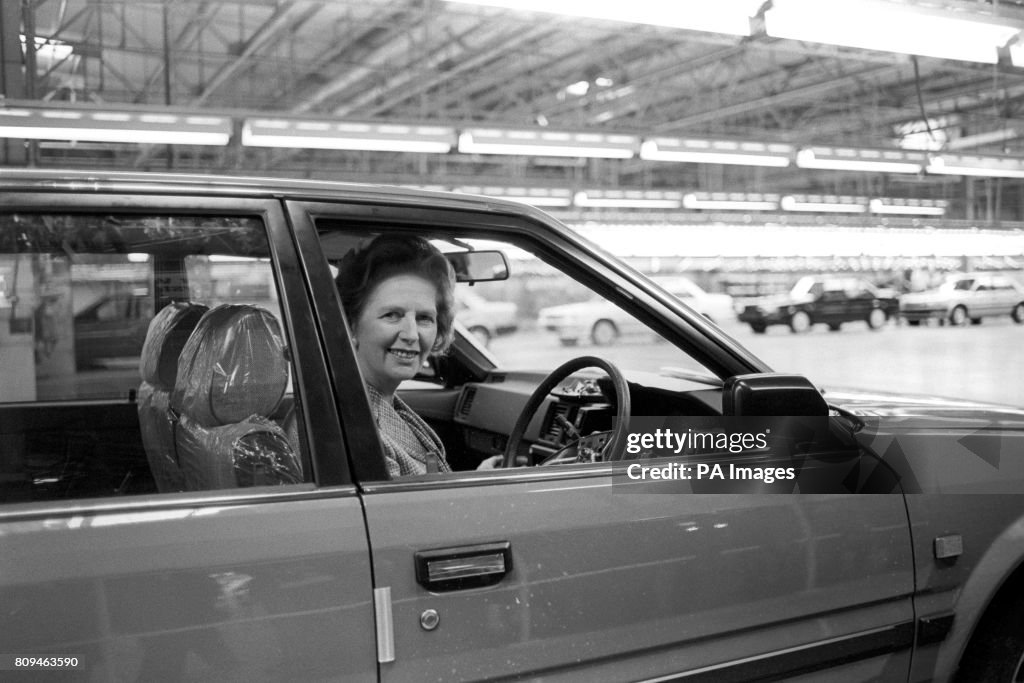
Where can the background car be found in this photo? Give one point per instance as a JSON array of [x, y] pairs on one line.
[[963, 297], [829, 300], [603, 323], [486, 319]]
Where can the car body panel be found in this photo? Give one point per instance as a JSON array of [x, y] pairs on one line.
[[979, 294], [185, 591], [698, 585]]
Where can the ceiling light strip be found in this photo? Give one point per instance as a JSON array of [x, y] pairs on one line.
[[692, 150], [347, 135], [903, 28], [547, 143], [112, 126], [824, 204], [867, 160], [989, 167], [723, 16]]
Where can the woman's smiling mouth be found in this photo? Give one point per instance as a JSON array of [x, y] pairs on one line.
[[405, 354]]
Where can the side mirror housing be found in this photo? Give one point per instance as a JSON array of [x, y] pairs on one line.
[[772, 394]]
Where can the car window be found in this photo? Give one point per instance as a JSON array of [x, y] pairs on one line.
[[141, 354], [527, 325]]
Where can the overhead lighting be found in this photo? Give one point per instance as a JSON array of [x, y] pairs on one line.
[[722, 16], [628, 199], [904, 28], [909, 207], [869, 160], [547, 143], [698, 151], [824, 204], [988, 167], [980, 139], [113, 126], [730, 201], [535, 196], [377, 137]]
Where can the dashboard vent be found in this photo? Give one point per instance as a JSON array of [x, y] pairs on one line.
[[496, 378], [467, 401], [554, 430]]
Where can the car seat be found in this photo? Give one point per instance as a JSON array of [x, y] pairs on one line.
[[158, 368], [232, 376]]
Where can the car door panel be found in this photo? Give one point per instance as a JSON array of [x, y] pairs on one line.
[[188, 591], [661, 584]]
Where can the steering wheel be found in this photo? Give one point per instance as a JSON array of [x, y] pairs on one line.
[[614, 444]]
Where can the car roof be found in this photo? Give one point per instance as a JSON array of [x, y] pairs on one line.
[[83, 181]]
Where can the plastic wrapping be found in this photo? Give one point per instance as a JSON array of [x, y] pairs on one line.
[[168, 332], [232, 375], [255, 452]]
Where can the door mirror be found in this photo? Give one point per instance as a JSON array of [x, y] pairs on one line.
[[772, 394], [478, 266]]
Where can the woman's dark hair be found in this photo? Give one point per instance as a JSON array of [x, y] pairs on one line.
[[388, 255]]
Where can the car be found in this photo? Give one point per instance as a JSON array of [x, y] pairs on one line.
[[112, 327], [602, 323], [829, 300], [485, 318], [964, 297], [222, 509]]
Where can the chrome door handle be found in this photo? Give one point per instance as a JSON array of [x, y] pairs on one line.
[[470, 566]]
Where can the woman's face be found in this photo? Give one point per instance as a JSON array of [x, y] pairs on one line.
[[396, 330]]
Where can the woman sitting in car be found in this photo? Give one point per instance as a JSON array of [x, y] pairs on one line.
[[398, 295]]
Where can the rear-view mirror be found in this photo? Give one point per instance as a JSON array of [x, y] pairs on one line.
[[478, 266]]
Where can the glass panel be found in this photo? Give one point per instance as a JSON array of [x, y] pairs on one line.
[[108, 386]]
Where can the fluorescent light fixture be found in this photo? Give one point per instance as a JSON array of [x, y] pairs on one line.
[[730, 201], [378, 137], [905, 28], [870, 160], [113, 126], [909, 207], [535, 196], [628, 199], [988, 167], [721, 16], [716, 152], [824, 204], [547, 143], [980, 139]]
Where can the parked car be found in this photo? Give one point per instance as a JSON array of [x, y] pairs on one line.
[[113, 327], [829, 300], [229, 515], [486, 319], [966, 297], [604, 323]]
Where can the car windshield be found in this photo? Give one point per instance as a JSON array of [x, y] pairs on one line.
[[802, 287]]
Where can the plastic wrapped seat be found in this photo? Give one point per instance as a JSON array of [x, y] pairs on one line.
[[232, 376], [158, 366]]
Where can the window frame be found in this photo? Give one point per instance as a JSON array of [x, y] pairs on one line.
[[323, 447], [574, 255]]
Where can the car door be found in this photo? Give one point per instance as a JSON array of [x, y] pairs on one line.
[[97, 564], [557, 573]]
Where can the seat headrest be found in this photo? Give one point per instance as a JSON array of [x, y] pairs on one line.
[[166, 337], [232, 367]]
